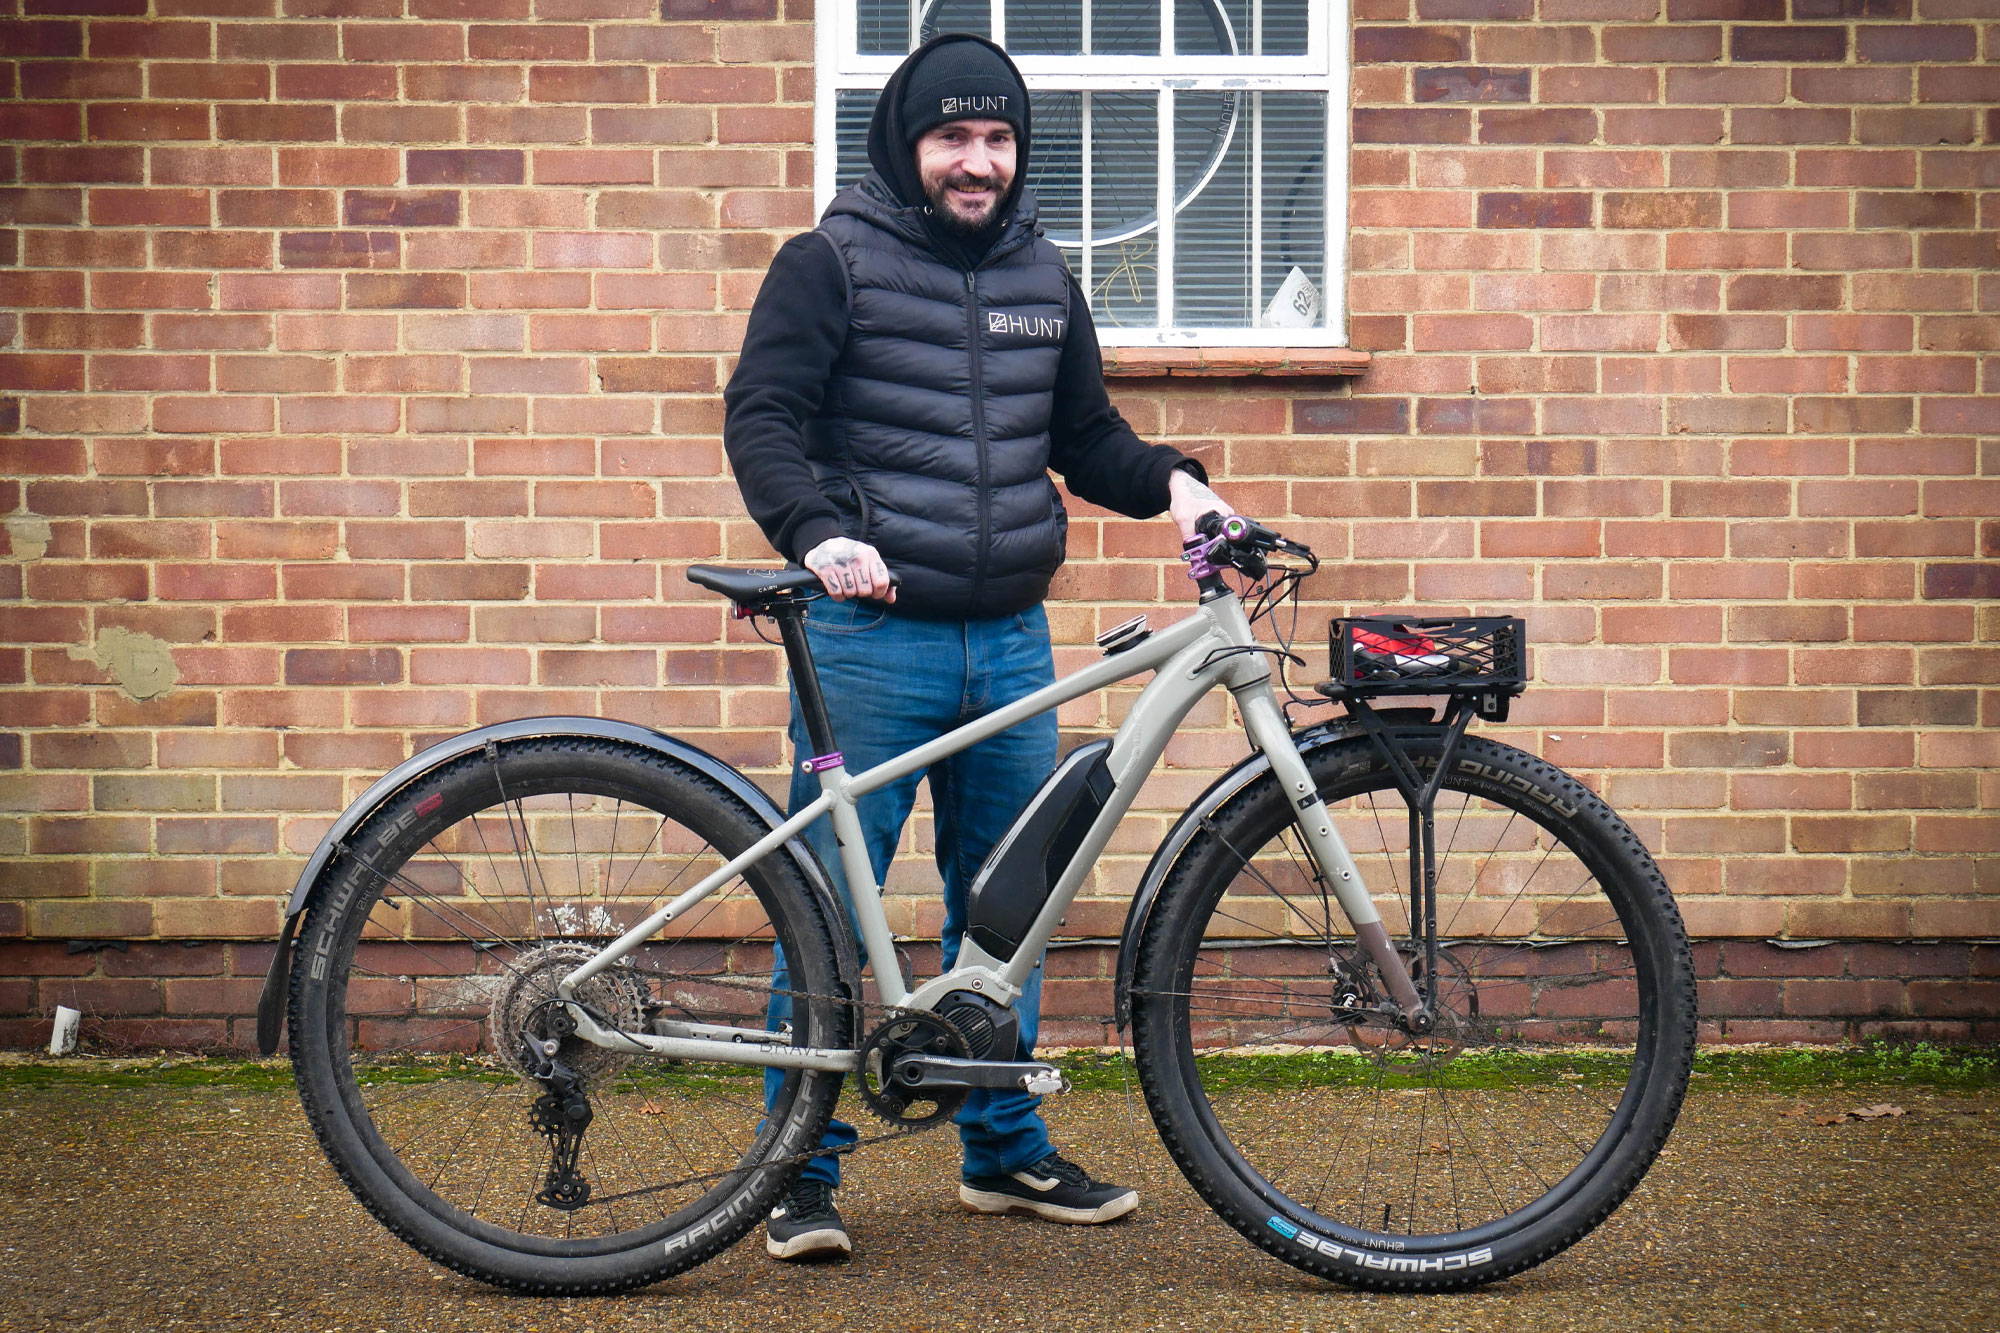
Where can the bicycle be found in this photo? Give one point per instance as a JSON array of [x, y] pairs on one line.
[[528, 1006]]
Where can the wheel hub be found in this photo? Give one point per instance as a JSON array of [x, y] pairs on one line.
[[527, 1001]]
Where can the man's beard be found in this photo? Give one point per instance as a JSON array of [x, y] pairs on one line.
[[953, 221]]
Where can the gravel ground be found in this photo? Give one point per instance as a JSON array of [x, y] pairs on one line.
[[210, 1208]]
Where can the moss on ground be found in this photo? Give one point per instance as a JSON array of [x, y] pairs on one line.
[[1751, 1068]]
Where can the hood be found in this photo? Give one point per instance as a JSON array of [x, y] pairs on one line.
[[895, 162]]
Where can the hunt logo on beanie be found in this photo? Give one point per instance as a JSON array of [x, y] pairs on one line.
[[953, 107]]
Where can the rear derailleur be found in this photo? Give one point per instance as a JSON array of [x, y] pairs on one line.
[[562, 1113]]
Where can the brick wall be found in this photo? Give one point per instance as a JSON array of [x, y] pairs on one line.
[[359, 365]]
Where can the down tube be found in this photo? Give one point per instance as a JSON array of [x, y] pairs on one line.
[[1155, 715]]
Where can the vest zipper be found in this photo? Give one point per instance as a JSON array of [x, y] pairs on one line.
[[984, 491]]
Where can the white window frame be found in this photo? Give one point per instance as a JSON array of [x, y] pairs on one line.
[[1323, 69]]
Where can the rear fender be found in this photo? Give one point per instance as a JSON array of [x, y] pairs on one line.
[[271, 1005]]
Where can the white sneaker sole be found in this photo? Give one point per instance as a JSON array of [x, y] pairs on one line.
[[822, 1244], [985, 1201]]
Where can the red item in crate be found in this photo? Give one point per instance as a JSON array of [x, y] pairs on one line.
[[1408, 655]]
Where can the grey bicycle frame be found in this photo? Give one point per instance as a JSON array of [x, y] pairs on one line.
[[1214, 646]]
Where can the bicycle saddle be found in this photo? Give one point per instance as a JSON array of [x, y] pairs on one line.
[[753, 587]]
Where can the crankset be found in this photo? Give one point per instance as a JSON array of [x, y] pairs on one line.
[[912, 1034]]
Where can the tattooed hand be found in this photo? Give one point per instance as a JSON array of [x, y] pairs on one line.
[[849, 568], [1189, 500]]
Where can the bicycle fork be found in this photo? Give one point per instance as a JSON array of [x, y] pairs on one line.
[[1266, 726]]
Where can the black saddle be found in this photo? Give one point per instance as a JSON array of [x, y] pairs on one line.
[[753, 589]]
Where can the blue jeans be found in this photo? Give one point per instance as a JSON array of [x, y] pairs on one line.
[[891, 683]]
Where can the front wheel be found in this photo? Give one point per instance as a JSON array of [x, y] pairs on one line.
[[423, 1017], [1316, 1123]]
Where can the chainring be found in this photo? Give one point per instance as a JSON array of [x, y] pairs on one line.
[[529, 986], [911, 1032]]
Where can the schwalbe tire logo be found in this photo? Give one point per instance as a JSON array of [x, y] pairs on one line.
[[1379, 1261]]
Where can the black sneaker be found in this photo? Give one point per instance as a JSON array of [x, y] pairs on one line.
[[1054, 1189], [806, 1225]]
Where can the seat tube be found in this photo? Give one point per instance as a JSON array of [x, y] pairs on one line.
[[805, 680], [825, 762]]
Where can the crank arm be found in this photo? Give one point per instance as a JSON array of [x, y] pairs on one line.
[[923, 1072]]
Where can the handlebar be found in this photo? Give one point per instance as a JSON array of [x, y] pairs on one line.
[[1242, 542]]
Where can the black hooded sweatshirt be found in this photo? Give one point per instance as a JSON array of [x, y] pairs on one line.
[[799, 326]]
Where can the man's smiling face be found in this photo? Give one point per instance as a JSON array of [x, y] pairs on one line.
[[966, 167]]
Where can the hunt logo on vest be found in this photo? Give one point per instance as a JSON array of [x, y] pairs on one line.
[[970, 106], [1026, 326]]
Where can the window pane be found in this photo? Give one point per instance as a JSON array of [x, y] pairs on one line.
[[882, 26], [1241, 27], [852, 110], [1056, 27], [1227, 274], [1121, 268], [973, 16]]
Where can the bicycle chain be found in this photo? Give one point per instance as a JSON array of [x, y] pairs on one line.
[[818, 1150]]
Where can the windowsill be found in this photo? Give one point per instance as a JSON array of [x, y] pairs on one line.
[[1231, 362]]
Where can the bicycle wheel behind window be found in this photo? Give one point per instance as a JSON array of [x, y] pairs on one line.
[[1345, 1144], [424, 1028]]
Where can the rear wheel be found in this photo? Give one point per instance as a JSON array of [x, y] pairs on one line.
[[430, 962], [1316, 1123]]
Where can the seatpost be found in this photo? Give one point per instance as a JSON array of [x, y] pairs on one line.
[[790, 616]]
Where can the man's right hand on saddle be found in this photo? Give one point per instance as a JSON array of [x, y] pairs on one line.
[[848, 568]]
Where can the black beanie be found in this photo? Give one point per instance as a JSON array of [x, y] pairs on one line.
[[962, 81]]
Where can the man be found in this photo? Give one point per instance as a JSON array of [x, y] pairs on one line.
[[912, 369]]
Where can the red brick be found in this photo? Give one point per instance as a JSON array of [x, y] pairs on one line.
[[1538, 125], [400, 208], [1666, 125], [1791, 125], [335, 83], [1472, 83], [340, 249], [152, 121], [403, 41], [1788, 43], [593, 84], [276, 123], [400, 124], [1850, 86], [1916, 125], [1783, 292], [466, 166], [1405, 125], [594, 167], [1911, 210], [405, 291], [343, 666], [525, 41], [1920, 43]]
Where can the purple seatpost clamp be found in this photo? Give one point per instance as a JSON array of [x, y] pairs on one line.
[[819, 763]]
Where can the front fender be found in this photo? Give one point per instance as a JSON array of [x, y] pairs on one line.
[[1219, 792], [271, 1004]]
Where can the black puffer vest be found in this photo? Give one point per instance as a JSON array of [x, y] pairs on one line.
[[933, 438]]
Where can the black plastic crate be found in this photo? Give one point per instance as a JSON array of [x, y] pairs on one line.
[[1486, 655]]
